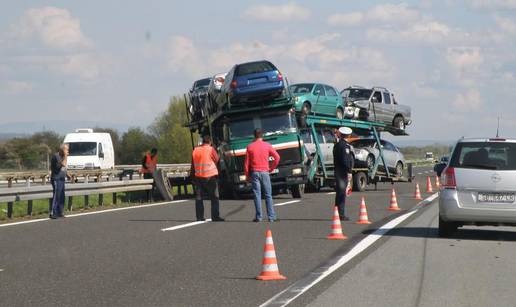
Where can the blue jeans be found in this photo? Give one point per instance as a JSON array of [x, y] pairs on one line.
[[58, 197], [262, 180]]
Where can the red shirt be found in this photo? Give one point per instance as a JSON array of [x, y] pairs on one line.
[[257, 157]]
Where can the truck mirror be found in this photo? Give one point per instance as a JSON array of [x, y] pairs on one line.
[[374, 99], [101, 155]]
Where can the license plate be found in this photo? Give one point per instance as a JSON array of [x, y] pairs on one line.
[[496, 197], [257, 80]]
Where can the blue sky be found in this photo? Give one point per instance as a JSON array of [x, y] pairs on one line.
[[453, 62]]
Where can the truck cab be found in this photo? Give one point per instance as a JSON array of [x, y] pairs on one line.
[[90, 150]]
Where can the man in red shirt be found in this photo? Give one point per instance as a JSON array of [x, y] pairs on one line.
[[257, 171], [204, 176]]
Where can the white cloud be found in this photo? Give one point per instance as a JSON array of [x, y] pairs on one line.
[[16, 87], [54, 27], [464, 59], [469, 101], [507, 25], [494, 4], [283, 12], [422, 32], [379, 14]]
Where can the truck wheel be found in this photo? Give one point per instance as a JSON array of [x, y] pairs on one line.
[[359, 182], [399, 122], [446, 229], [399, 169], [297, 190], [339, 114]]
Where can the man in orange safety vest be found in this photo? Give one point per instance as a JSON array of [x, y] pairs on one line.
[[149, 163], [204, 177]]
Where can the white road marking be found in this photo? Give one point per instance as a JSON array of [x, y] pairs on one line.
[[96, 212], [330, 193], [186, 225], [287, 202], [295, 290], [1, 270], [419, 173]]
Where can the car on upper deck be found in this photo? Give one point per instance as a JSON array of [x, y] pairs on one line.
[[198, 94], [317, 98]]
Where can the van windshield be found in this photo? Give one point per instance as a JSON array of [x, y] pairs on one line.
[[274, 124], [485, 155], [82, 148]]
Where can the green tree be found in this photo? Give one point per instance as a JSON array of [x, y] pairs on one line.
[[135, 142]]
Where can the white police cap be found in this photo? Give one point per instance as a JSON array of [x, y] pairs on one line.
[[345, 130]]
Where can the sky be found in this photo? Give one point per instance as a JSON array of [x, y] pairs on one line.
[[119, 62]]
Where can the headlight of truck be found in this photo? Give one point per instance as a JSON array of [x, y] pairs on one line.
[[297, 171], [242, 178]]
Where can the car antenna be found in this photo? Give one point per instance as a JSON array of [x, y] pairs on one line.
[[498, 128]]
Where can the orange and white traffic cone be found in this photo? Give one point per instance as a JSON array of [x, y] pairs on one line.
[[270, 269], [363, 218], [394, 202], [437, 182], [336, 228], [429, 185], [417, 195]]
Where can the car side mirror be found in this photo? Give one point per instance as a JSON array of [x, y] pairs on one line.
[[374, 100], [438, 168], [101, 155]]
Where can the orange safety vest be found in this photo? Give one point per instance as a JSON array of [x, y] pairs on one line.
[[150, 162], [203, 164]]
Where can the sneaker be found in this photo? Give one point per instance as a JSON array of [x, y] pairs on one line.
[[218, 219], [344, 218], [257, 220], [52, 217], [201, 220]]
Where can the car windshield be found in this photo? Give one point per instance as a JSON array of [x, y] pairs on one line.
[[202, 83], [253, 68], [357, 93], [485, 155], [363, 143], [82, 148], [301, 88], [275, 124]]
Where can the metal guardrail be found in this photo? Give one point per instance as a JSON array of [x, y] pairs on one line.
[[10, 195]]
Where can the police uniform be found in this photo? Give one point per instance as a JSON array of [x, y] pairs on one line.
[[343, 162]]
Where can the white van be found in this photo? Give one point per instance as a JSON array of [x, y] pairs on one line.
[[90, 150]]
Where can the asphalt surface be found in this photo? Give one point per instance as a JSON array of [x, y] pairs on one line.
[[122, 258]]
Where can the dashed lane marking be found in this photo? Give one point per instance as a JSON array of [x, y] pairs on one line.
[[287, 203], [419, 173], [96, 212], [298, 288], [186, 225], [1, 270]]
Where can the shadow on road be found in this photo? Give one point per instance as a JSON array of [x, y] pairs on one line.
[[461, 234]]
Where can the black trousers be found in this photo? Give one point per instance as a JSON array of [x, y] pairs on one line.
[[340, 193], [207, 186]]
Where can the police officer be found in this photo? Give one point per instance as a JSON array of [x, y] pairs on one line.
[[343, 162]]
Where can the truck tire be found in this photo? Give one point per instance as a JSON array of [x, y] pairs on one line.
[[297, 190], [359, 181], [398, 122]]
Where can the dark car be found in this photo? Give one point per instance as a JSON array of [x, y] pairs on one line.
[[251, 82], [198, 94]]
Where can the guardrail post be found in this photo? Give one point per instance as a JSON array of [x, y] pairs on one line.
[[70, 203], [86, 201], [114, 198], [10, 183], [29, 207], [10, 209], [101, 199]]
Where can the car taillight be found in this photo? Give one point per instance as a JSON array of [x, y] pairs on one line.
[[234, 84], [449, 178], [280, 76]]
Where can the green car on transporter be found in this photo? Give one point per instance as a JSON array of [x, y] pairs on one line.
[[318, 99]]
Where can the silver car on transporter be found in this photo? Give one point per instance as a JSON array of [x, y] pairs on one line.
[[478, 185]]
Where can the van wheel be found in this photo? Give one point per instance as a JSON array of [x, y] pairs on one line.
[[398, 122], [339, 114], [446, 229], [297, 190], [359, 182]]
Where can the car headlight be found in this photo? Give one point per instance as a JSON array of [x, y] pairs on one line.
[[297, 171], [296, 99], [242, 178]]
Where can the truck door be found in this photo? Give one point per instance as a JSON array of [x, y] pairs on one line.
[[388, 107], [376, 106]]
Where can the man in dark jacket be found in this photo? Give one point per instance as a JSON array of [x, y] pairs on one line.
[[57, 179], [343, 162]]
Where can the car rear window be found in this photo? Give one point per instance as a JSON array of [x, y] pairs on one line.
[[485, 155], [202, 82], [253, 68], [302, 88]]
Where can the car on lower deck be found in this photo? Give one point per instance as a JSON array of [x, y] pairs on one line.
[[317, 98], [478, 186], [367, 153]]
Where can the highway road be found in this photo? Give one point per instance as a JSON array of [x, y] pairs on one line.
[[157, 255]]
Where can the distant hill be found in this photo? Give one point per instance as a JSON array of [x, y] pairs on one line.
[[59, 126], [7, 136]]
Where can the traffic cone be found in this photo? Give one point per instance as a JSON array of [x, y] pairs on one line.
[[363, 218], [270, 269], [417, 195], [429, 185], [336, 228], [437, 182], [394, 202]]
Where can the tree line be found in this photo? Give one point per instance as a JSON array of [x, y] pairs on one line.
[[166, 133]]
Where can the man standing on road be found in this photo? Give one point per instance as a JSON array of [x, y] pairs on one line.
[[343, 162], [257, 171], [57, 179], [204, 177]]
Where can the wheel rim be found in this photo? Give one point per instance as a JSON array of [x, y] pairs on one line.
[[399, 170]]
